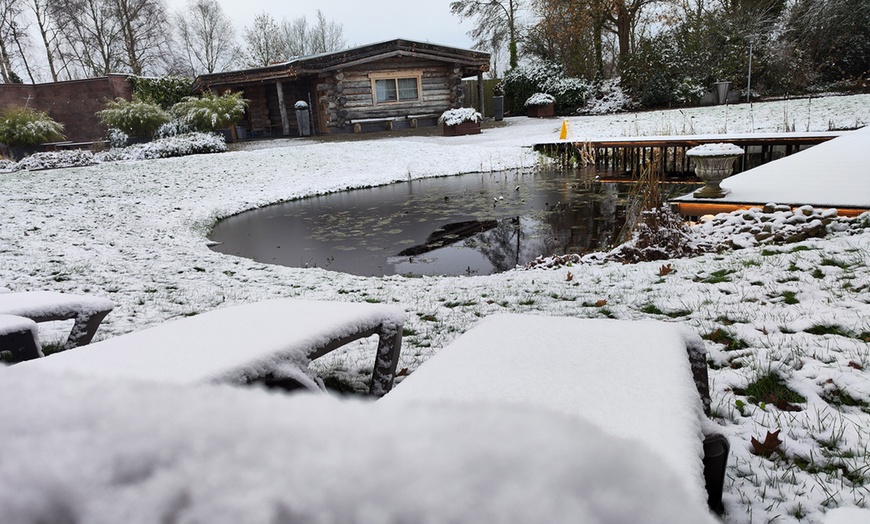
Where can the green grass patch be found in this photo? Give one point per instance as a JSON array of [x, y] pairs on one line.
[[731, 342], [717, 277], [527, 302], [833, 262], [828, 329], [790, 297], [651, 309], [770, 252], [837, 396], [854, 476], [818, 273], [797, 249], [771, 389]]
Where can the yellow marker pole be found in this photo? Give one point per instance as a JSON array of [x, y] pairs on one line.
[[564, 133]]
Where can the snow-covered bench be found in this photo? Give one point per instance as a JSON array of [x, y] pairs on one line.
[[272, 339], [44, 306], [631, 379], [19, 336]]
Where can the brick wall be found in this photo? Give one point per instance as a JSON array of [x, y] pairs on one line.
[[72, 103]]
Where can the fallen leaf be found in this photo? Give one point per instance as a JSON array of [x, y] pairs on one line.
[[853, 364], [601, 303], [665, 270], [769, 446], [570, 277], [402, 372]]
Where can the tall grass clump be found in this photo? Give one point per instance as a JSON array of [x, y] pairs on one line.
[[21, 127], [210, 111], [136, 118]]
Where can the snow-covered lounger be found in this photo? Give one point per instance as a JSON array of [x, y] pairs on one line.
[[45, 306], [631, 379], [240, 344], [19, 336]]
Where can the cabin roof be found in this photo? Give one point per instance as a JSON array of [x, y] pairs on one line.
[[472, 62]]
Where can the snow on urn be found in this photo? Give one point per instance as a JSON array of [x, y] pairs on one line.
[[713, 164]]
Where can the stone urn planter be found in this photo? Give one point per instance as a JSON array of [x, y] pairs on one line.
[[540, 105], [713, 164], [462, 121]]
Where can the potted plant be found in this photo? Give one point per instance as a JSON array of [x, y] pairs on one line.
[[23, 130], [713, 164], [540, 105], [211, 112], [461, 121]]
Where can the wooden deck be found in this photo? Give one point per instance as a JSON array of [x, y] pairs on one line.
[[627, 156]]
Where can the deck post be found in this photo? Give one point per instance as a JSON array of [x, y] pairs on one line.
[[285, 120], [480, 101]]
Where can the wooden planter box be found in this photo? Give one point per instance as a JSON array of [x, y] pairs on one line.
[[540, 111], [465, 128]]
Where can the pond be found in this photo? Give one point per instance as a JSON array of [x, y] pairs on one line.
[[474, 224]]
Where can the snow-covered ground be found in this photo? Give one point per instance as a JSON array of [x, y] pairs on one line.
[[136, 233]]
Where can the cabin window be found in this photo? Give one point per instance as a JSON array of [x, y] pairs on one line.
[[396, 87]]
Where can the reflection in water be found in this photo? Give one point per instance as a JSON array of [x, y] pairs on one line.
[[470, 224]]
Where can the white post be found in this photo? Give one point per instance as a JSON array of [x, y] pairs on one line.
[[751, 39]]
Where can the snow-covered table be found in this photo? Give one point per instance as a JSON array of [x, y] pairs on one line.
[[44, 306], [19, 336], [241, 344], [631, 379]]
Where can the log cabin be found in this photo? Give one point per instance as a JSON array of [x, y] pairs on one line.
[[383, 86]]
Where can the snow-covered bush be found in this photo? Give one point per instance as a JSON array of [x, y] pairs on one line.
[[181, 145], [20, 126], [7, 166], [136, 118], [116, 137], [540, 99], [454, 117], [211, 111], [57, 159], [174, 127], [543, 77], [606, 97]]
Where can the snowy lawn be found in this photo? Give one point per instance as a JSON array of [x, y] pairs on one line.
[[787, 326]]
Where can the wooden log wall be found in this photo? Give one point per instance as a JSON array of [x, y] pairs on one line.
[[346, 95]]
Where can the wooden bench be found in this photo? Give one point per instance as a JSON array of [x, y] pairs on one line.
[[19, 336], [640, 380], [241, 344], [45, 306]]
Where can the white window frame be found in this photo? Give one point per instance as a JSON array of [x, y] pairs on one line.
[[396, 76]]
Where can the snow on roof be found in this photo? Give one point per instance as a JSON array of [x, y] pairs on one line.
[[112, 451], [832, 174]]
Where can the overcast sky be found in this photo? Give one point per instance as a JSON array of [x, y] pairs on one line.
[[364, 21]]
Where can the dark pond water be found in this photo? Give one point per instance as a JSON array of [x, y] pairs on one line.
[[464, 225]]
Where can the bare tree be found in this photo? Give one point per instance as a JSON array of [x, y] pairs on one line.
[[208, 42], [302, 39], [495, 20], [13, 41], [48, 34], [90, 37], [326, 36], [295, 34], [264, 43], [144, 33]]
